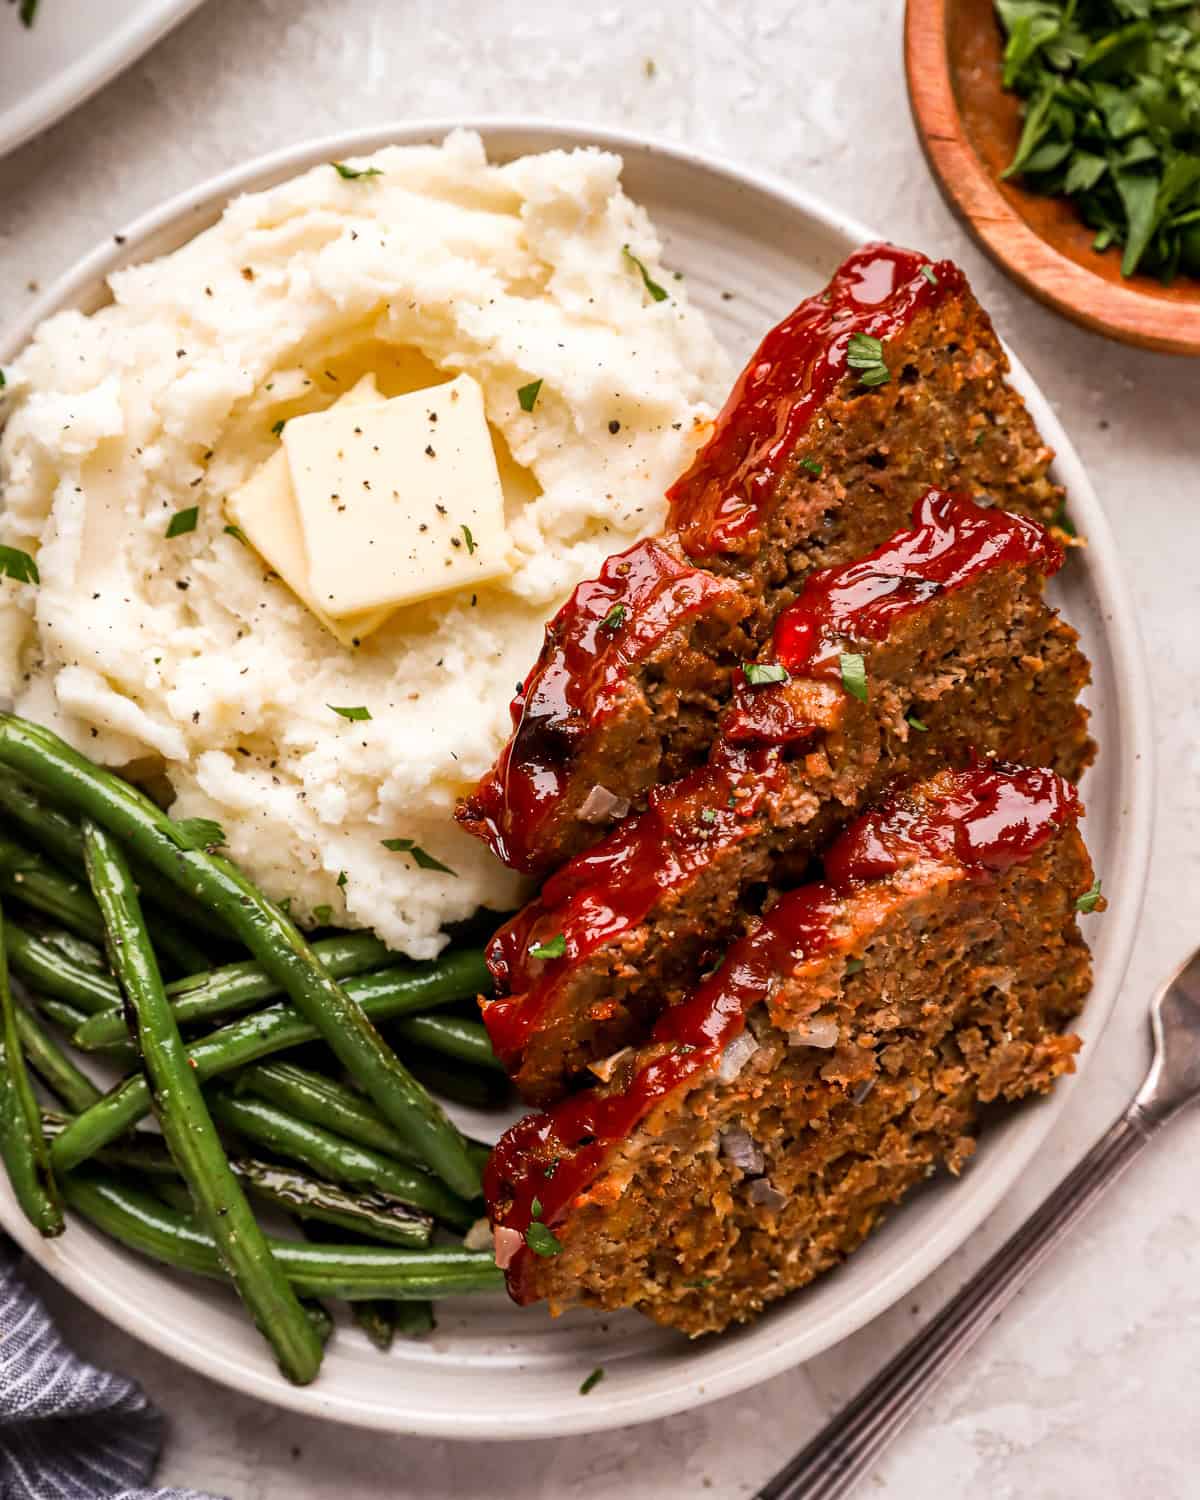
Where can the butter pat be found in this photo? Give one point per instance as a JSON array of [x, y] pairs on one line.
[[398, 501], [264, 510]]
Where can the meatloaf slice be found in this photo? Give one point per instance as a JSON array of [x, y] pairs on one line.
[[936, 648], [839, 1055], [814, 460]]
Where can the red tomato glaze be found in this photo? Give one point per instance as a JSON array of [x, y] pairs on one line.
[[607, 625], [953, 543], [718, 504], [986, 819]]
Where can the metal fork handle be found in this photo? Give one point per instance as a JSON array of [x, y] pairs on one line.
[[842, 1452]]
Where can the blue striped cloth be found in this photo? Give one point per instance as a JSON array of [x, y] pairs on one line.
[[67, 1430]]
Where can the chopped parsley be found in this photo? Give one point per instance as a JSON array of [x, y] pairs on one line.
[[865, 354], [469, 539], [27, 12], [701, 1283], [553, 947], [535, 1208], [615, 618], [183, 521], [420, 857], [3, 382], [592, 1381], [708, 815], [914, 723], [196, 834], [322, 915], [541, 1241], [1090, 899], [238, 534], [855, 966], [929, 274], [763, 673], [19, 565], [551, 1167], [353, 714], [812, 466], [352, 174], [854, 674], [277, 427], [1111, 106], [528, 395], [657, 292], [1062, 521], [341, 880]]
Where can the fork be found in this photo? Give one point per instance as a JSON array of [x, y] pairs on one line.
[[843, 1451]]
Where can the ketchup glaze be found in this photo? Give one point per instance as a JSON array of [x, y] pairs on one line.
[[953, 543], [608, 624], [720, 501], [983, 820]]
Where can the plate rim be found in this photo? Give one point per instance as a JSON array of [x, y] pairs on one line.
[[1132, 833], [88, 73]]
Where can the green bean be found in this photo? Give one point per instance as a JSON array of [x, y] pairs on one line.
[[174, 1193], [48, 967], [334, 1158], [59, 837], [22, 1144], [464, 1085], [323, 1101], [60, 1013], [53, 1066], [36, 882], [370, 1215], [258, 1035], [467, 1041], [221, 993], [412, 1319], [74, 949], [376, 1321], [353, 1273], [39, 755], [186, 1124]]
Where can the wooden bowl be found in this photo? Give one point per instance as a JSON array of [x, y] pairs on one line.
[[968, 125]]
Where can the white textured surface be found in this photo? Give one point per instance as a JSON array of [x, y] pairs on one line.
[[1087, 1385]]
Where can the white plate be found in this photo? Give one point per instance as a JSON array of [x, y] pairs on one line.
[[73, 48], [492, 1371]]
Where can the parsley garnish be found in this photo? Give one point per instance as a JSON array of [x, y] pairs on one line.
[[420, 857], [469, 539], [183, 521], [708, 815], [865, 354], [350, 713], [551, 1167], [341, 880], [238, 534], [277, 427], [929, 274], [19, 565], [855, 966], [854, 674], [657, 292], [541, 1241], [615, 618], [535, 1208], [27, 12], [322, 915], [3, 382], [528, 395], [553, 947], [352, 174], [1063, 522], [1110, 92], [763, 673], [196, 834], [592, 1381], [811, 465], [1090, 898], [701, 1282], [915, 723]]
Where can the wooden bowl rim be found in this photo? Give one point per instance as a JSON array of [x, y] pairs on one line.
[[1118, 311]]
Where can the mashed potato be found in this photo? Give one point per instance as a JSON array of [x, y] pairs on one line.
[[188, 651]]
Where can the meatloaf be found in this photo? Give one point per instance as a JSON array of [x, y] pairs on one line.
[[839, 1055], [888, 381], [935, 649]]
